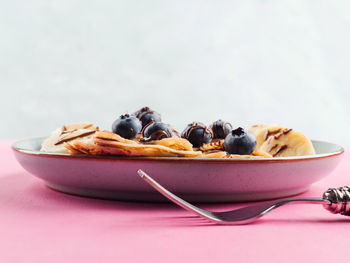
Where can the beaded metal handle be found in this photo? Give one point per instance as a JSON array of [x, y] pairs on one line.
[[339, 200]]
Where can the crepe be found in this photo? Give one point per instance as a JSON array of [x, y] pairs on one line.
[[86, 138]]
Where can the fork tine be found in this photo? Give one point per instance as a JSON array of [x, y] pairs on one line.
[[177, 200]]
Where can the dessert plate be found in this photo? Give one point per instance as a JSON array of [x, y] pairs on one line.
[[194, 179]]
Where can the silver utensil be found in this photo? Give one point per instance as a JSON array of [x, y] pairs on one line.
[[335, 200]]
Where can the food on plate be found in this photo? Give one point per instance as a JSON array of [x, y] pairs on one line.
[[146, 115], [144, 134], [263, 131], [197, 134], [127, 126], [240, 141], [56, 143], [220, 129], [281, 142], [157, 131], [108, 143]]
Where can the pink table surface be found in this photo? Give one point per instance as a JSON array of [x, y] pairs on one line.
[[40, 225]]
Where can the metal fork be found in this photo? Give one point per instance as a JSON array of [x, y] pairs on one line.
[[335, 200]]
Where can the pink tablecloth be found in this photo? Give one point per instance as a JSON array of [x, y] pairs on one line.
[[40, 225]]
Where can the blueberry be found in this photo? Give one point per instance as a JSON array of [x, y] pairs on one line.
[[157, 131], [146, 115], [220, 129], [127, 126], [240, 141], [197, 134]]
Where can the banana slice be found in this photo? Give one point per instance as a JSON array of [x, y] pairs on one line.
[[263, 131], [286, 143], [68, 133]]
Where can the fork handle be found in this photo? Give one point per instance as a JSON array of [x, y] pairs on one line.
[[339, 200]]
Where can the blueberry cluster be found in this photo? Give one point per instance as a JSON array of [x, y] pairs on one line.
[[238, 141], [147, 123]]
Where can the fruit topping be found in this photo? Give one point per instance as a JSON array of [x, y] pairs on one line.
[[127, 126], [157, 131], [287, 142], [240, 141], [197, 134], [220, 129], [146, 115]]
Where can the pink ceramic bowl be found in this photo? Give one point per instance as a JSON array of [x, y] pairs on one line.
[[196, 180]]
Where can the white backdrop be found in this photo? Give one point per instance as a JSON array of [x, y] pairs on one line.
[[246, 62]]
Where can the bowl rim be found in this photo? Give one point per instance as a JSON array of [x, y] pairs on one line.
[[16, 148]]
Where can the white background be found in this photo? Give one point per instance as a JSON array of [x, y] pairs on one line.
[[246, 62]]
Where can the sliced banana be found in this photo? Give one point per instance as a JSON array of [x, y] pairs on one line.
[[263, 131], [286, 143], [56, 142]]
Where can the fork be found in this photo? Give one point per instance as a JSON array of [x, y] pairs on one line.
[[335, 200]]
